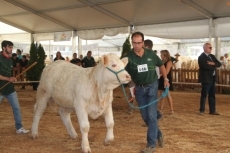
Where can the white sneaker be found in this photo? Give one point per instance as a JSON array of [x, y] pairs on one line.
[[22, 131]]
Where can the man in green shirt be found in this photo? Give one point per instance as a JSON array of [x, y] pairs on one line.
[[88, 61], [141, 67], [8, 91]]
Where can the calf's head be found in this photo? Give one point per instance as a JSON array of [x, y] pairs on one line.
[[114, 72]]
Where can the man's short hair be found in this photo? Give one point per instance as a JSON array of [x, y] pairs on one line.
[[14, 54], [6, 43], [148, 43], [138, 34], [19, 51]]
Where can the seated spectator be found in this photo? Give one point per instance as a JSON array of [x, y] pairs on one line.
[[58, 56], [75, 60], [16, 64], [81, 57], [23, 65], [28, 56], [51, 58], [88, 61], [67, 58]]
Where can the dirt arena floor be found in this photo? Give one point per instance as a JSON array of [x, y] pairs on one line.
[[184, 132]]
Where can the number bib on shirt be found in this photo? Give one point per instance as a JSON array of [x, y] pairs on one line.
[[142, 68]]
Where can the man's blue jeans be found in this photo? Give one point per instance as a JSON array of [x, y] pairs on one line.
[[13, 100], [144, 96]]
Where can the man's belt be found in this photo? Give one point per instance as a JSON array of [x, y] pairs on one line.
[[142, 85]]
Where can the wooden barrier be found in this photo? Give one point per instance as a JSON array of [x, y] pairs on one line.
[[188, 79]]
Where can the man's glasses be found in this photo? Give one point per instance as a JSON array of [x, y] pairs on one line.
[[137, 43], [210, 47]]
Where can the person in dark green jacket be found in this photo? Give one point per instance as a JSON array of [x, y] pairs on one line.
[[8, 91], [141, 67]]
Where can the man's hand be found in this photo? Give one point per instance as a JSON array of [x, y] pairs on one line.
[[166, 84], [12, 79], [210, 63]]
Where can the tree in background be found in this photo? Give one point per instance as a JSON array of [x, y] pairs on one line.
[[37, 54], [126, 47]]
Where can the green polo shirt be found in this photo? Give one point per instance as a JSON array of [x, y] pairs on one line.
[[147, 63], [88, 62], [6, 65]]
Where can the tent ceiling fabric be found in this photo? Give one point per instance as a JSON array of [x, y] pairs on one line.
[[36, 16]]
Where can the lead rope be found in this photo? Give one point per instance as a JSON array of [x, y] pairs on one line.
[[164, 94]]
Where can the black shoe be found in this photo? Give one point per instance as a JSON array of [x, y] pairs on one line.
[[214, 113]]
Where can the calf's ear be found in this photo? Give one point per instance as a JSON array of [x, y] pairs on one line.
[[125, 60], [104, 59]]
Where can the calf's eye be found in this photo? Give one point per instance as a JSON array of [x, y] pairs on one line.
[[114, 65]]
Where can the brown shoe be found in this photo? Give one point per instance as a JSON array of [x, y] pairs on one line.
[[148, 150], [214, 113], [201, 113]]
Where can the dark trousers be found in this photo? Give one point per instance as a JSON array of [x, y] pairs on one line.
[[208, 89]]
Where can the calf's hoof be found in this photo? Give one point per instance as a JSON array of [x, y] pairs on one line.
[[86, 150], [107, 142], [74, 136], [34, 136]]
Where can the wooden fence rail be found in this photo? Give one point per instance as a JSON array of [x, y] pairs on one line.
[[188, 79]]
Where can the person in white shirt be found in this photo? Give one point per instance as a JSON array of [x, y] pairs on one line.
[[177, 65], [226, 59], [223, 63]]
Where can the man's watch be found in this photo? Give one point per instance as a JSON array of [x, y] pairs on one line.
[[166, 79]]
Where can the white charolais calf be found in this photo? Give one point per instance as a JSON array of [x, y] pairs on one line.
[[87, 91]]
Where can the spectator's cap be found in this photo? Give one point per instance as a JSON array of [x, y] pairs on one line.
[[177, 54]]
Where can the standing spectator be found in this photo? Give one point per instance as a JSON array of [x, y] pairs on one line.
[[226, 59], [23, 65], [166, 58], [47, 61], [19, 53], [141, 67], [58, 56], [9, 91], [16, 64], [88, 61], [149, 45], [223, 63], [75, 60], [207, 76], [177, 65], [174, 60]]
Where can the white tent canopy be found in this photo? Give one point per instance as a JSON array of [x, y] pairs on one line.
[[91, 19]]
